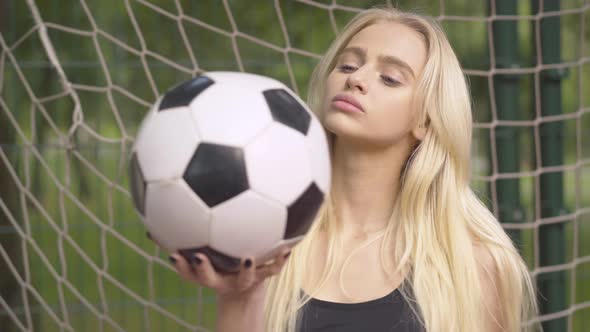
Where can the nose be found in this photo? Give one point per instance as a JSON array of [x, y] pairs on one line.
[[355, 81]]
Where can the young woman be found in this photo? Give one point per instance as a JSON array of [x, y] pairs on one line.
[[402, 243]]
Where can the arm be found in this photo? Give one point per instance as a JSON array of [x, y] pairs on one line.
[[243, 312], [240, 297]]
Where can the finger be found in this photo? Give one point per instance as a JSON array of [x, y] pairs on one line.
[[247, 274], [204, 269], [276, 266], [183, 267], [280, 261]]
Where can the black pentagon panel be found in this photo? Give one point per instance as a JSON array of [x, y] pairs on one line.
[[303, 211], [217, 173], [137, 184], [184, 93], [287, 110], [221, 262]]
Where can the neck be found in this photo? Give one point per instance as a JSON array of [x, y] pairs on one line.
[[365, 184]]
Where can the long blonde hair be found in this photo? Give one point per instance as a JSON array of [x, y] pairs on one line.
[[437, 220]]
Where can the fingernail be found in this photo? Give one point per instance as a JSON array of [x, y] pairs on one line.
[[248, 263], [198, 260], [287, 255], [172, 259]]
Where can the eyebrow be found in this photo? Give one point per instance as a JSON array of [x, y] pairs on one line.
[[386, 59]]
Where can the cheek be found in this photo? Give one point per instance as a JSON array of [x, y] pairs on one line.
[[331, 89], [394, 116], [331, 83], [396, 105]]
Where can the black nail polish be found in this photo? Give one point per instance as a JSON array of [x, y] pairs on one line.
[[149, 236], [248, 263], [172, 259], [198, 260]]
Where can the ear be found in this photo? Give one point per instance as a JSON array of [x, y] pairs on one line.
[[419, 131]]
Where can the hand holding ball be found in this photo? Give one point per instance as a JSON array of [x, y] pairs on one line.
[[231, 165]]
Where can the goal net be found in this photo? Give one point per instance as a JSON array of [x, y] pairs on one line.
[[77, 76]]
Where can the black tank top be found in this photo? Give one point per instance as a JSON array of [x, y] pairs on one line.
[[390, 313]]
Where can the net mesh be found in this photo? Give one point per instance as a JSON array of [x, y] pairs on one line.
[[77, 76]]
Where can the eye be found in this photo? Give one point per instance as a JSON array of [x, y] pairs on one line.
[[390, 81], [346, 68]]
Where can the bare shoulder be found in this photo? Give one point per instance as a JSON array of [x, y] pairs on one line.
[[489, 277], [487, 269], [484, 260]]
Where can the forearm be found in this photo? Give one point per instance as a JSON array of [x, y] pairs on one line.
[[241, 313]]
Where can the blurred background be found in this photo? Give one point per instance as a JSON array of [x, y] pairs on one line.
[[77, 77]]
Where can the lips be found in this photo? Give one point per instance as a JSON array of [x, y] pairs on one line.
[[347, 103]]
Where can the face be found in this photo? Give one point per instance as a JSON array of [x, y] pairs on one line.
[[369, 92]]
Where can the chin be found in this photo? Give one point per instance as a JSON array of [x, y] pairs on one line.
[[338, 124], [353, 133], [347, 132]]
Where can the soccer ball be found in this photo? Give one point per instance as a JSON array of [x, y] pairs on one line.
[[231, 165]]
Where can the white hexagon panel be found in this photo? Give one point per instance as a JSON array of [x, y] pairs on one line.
[[228, 114], [252, 81], [257, 222], [165, 143], [277, 164], [176, 215]]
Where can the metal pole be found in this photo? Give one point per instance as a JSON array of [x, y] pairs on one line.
[[505, 38], [551, 237]]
